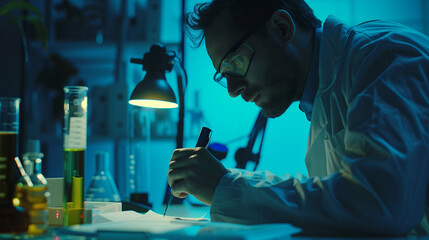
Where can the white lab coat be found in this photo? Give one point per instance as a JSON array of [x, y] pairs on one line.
[[368, 148]]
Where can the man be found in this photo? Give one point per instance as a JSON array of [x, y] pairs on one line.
[[365, 90]]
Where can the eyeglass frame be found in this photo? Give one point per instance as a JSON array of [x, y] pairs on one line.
[[233, 49]]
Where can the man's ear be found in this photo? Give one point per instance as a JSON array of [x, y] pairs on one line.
[[283, 25]]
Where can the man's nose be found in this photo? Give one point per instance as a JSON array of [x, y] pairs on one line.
[[236, 87]]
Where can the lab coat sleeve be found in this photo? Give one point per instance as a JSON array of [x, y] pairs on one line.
[[383, 186]]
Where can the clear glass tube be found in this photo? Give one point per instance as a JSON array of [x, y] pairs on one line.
[[75, 123]]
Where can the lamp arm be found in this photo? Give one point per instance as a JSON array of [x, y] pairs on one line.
[[182, 75], [181, 93], [182, 82]]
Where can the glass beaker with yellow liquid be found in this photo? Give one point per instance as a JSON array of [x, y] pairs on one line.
[[75, 118], [12, 219], [32, 189]]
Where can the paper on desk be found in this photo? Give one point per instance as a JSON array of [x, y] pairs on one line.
[[150, 216], [131, 221]]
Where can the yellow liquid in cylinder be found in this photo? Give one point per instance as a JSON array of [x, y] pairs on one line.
[[35, 202], [74, 160]]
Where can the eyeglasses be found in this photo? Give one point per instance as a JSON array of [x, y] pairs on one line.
[[236, 61]]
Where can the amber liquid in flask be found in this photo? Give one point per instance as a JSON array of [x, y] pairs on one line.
[[32, 189], [75, 118], [34, 201], [12, 219]]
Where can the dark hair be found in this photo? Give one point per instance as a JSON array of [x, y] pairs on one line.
[[247, 13]]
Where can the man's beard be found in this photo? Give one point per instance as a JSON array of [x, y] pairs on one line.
[[274, 111], [284, 84]]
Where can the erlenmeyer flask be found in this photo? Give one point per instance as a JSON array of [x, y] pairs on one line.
[[102, 187]]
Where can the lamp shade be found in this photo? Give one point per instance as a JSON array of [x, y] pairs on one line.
[[154, 92]]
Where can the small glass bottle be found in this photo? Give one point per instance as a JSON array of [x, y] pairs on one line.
[[33, 195], [102, 187]]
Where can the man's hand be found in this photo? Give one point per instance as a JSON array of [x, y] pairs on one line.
[[194, 171]]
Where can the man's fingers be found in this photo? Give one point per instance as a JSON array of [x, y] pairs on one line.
[[178, 189], [180, 181], [194, 171], [179, 174], [175, 175], [185, 152], [187, 161]]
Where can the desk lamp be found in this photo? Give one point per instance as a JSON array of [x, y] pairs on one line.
[[155, 92]]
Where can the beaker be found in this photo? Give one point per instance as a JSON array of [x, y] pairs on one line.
[[102, 187], [32, 189], [75, 123], [9, 127], [12, 219]]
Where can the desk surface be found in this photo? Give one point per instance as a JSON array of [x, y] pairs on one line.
[[203, 231]]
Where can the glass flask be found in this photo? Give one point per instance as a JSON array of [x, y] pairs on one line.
[[12, 219], [75, 123], [32, 189], [102, 187]]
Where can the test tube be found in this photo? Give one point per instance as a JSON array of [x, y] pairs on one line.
[[75, 122]]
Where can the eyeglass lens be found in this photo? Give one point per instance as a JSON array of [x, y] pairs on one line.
[[235, 64]]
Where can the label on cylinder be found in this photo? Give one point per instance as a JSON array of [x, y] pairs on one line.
[[76, 137]]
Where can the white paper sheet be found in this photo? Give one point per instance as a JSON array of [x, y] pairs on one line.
[[131, 221]]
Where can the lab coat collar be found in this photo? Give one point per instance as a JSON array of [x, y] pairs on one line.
[[312, 83]]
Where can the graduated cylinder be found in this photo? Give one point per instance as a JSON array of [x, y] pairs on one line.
[[75, 123]]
